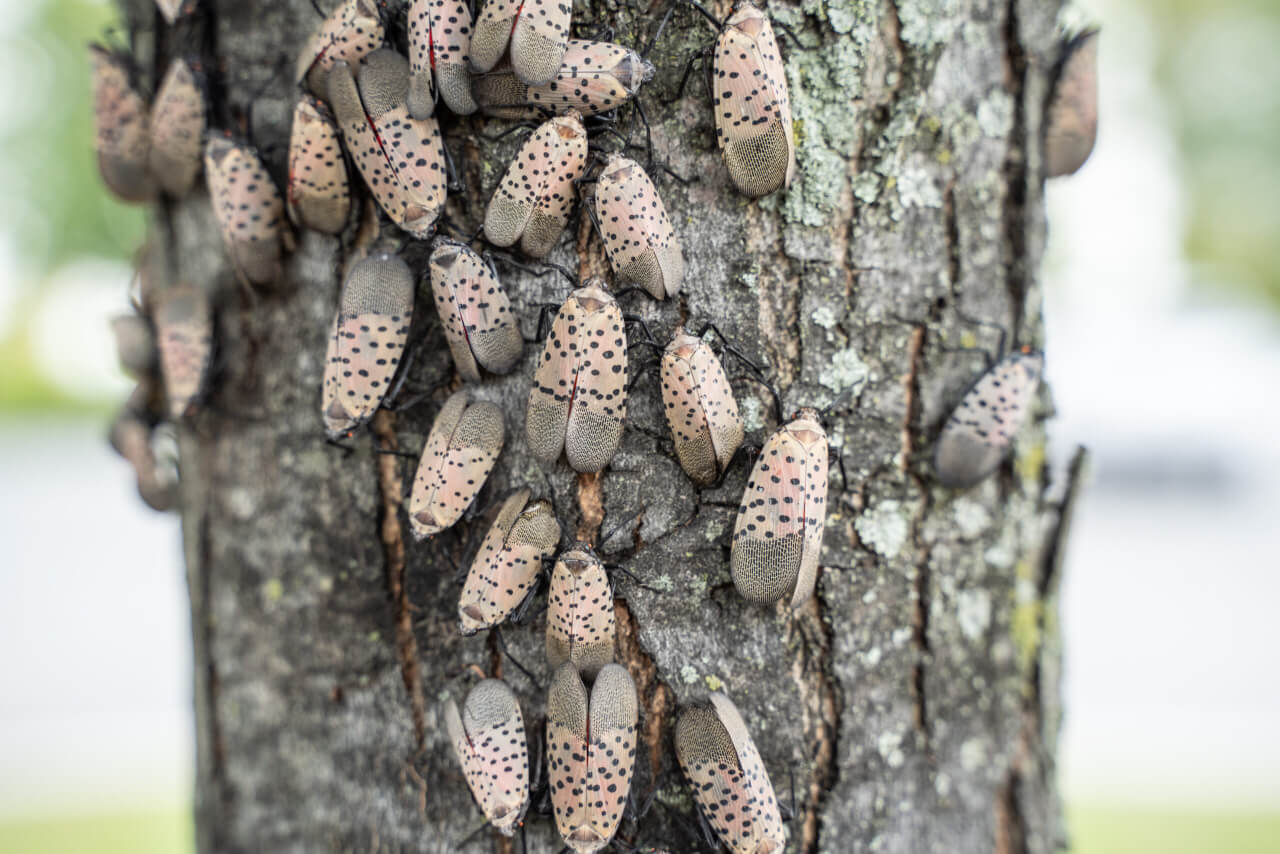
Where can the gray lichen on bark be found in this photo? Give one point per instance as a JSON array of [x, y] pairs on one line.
[[913, 701]]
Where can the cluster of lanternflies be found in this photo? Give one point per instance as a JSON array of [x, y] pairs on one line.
[[514, 60]]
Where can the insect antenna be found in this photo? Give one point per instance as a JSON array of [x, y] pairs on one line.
[[502, 644]]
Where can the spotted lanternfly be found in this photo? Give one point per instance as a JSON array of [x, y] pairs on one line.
[[439, 52], [591, 751], [352, 31], [777, 538], [1071, 125], [493, 32], [135, 345], [729, 779], [366, 342], [637, 235], [752, 107], [981, 429], [533, 200], [184, 333], [508, 563], [460, 452], [539, 40], [131, 438], [177, 129], [400, 158], [580, 625], [319, 194], [478, 322], [249, 209], [121, 130], [579, 395], [701, 410], [594, 77], [489, 740]]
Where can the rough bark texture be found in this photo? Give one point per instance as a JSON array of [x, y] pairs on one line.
[[913, 703]]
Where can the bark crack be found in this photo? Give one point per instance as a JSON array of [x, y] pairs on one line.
[[393, 555], [910, 394], [1015, 168], [820, 713], [655, 695]]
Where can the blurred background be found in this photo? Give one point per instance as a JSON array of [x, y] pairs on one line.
[[1163, 288]]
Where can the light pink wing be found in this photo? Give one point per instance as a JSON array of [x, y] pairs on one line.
[[539, 39], [525, 183], [177, 130], [813, 439], [478, 321], [637, 234], [352, 31], [768, 536], [554, 379], [444, 490], [686, 415], [580, 621], [765, 831], [494, 752], [248, 207], [710, 761], [979, 432], [121, 136], [594, 77], [319, 193], [493, 32], [752, 106], [599, 401], [556, 193], [613, 718], [568, 750], [508, 563], [184, 336], [718, 403]]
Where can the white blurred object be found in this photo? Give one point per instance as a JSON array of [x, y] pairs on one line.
[[1170, 579], [71, 333]]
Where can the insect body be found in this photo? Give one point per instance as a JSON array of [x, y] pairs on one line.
[[319, 194], [367, 341], [700, 408], [508, 562], [352, 31], [439, 53], [777, 538], [401, 158], [1072, 121], [591, 749], [478, 322], [248, 207], [729, 779], [979, 432], [752, 106], [533, 200], [579, 395], [637, 234], [489, 740], [177, 130], [121, 136], [538, 31], [594, 77], [580, 623], [460, 452], [184, 334]]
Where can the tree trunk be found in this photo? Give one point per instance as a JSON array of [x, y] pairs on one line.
[[911, 706]]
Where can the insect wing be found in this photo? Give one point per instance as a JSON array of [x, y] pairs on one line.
[[461, 450], [184, 333], [553, 384], [248, 207], [1071, 128], [177, 128], [637, 234], [319, 193], [539, 40], [556, 194], [351, 32], [981, 429], [599, 390], [580, 622], [121, 136], [493, 31], [489, 740], [752, 107]]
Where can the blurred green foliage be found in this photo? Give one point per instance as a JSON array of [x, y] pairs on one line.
[[57, 208], [161, 831], [1118, 830], [1218, 67]]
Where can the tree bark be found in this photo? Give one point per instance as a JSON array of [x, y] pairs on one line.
[[911, 706]]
